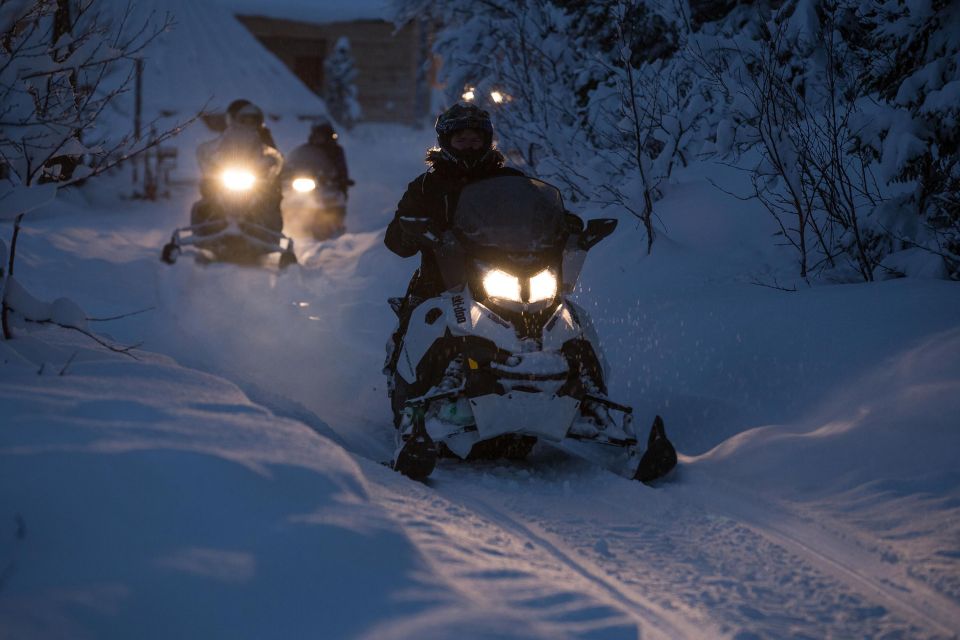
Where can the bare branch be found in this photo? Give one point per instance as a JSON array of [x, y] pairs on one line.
[[121, 316], [125, 350]]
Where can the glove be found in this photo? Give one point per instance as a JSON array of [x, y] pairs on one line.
[[415, 231]]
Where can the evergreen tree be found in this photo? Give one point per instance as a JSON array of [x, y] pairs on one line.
[[340, 90]]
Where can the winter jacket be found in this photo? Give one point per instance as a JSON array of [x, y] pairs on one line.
[[243, 145], [433, 195]]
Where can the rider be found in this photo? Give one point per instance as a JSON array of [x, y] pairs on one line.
[[464, 154], [322, 153], [245, 131], [244, 112]]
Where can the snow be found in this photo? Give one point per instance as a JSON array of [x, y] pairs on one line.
[[155, 501], [20, 199], [61, 311], [206, 60], [228, 483]]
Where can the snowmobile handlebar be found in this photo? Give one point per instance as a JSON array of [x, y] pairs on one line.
[[596, 230]]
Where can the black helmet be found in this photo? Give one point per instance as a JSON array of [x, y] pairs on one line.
[[463, 116], [321, 133], [245, 113], [236, 105], [457, 118]]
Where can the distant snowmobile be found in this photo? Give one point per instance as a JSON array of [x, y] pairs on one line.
[[314, 203], [238, 218], [315, 186], [503, 358]]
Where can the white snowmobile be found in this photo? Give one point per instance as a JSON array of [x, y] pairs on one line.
[[503, 359], [229, 223]]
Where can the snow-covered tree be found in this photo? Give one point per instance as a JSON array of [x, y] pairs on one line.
[[580, 94], [340, 88], [843, 112], [63, 63], [914, 131], [790, 118]]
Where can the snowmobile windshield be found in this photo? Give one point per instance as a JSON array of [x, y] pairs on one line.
[[513, 214]]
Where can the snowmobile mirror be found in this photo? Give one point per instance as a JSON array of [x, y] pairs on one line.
[[597, 229]]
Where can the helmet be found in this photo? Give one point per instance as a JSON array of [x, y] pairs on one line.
[[457, 118], [245, 114], [463, 116], [321, 133]]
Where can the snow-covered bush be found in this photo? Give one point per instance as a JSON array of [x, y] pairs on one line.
[[792, 101], [62, 65], [587, 96], [852, 108], [340, 89]]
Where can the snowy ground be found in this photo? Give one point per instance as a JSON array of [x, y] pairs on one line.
[[228, 482]]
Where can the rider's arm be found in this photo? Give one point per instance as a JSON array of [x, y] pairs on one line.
[[272, 162], [412, 205]]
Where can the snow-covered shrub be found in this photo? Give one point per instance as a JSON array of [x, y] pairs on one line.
[[340, 88], [587, 96], [790, 118], [62, 65], [914, 129], [852, 108]]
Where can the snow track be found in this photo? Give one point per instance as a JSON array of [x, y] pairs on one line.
[[666, 564], [501, 561], [845, 558]]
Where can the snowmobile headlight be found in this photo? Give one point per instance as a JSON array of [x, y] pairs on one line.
[[500, 284], [304, 185], [238, 179], [543, 286]]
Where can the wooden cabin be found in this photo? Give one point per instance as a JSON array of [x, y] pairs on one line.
[[395, 68]]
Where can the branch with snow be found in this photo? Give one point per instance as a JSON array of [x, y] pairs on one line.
[[64, 64]]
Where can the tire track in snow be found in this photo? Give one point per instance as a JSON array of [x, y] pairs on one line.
[[683, 556], [849, 562], [499, 563], [637, 606]]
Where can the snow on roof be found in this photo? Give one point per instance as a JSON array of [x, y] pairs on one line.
[[209, 58], [316, 11]]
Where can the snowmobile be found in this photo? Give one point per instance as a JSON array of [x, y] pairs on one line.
[[503, 359], [315, 204], [314, 195], [228, 223]]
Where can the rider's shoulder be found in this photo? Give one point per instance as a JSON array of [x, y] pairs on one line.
[[423, 182]]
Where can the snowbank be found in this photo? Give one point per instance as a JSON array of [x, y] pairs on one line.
[[142, 499]]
